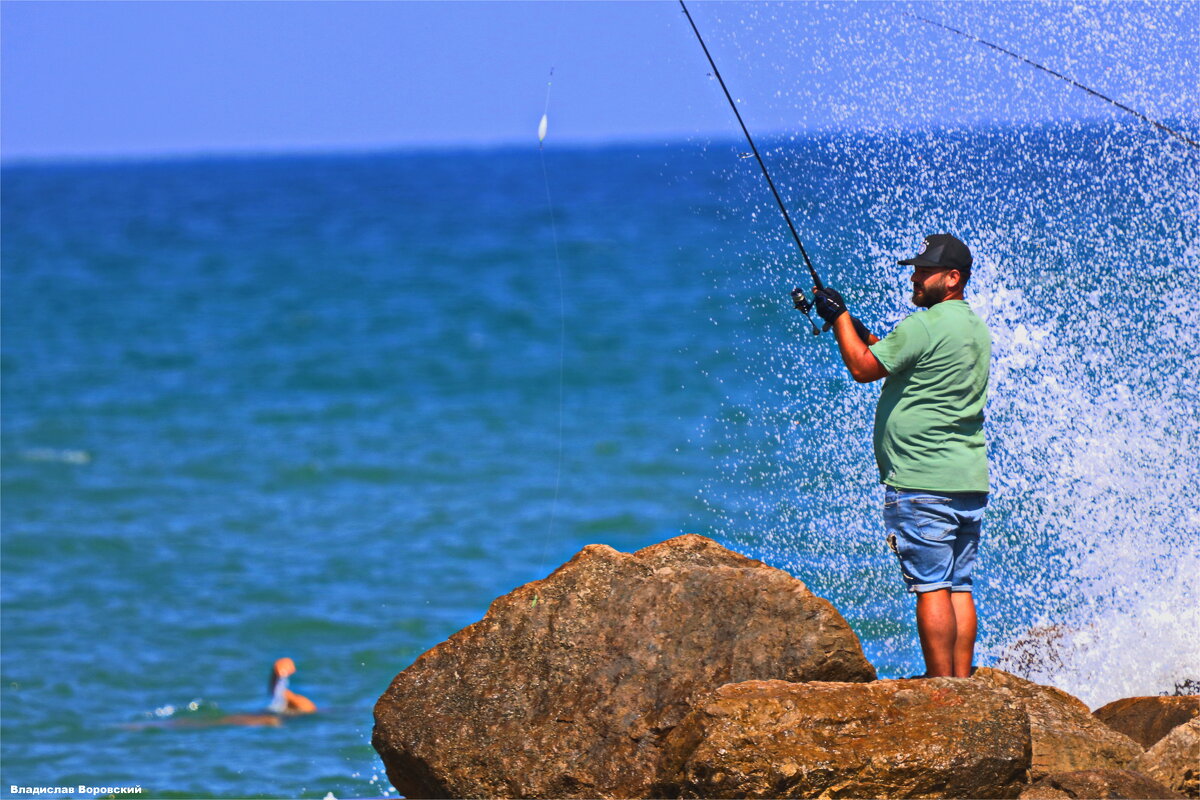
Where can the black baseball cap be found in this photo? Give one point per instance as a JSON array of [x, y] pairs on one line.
[[943, 251]]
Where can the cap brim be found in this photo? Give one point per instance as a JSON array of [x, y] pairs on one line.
[[921, 262]]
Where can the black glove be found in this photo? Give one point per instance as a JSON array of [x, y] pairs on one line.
[[829, 304], [861, 330]]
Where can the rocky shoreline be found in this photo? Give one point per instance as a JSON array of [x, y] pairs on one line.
[[688, 670]]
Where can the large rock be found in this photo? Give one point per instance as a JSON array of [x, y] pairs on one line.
[[1066, 737], [1113, 784], [1175, 760], [567, 686], [940, 737], [1148, 719]]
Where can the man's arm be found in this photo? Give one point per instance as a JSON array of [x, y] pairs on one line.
[[863, 365]]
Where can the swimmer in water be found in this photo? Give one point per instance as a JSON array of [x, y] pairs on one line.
[[284, 703], [283, 699]]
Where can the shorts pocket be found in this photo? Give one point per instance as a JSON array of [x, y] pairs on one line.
[[893, 543], [930, 519]]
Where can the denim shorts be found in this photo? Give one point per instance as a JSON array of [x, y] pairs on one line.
[[935, 534]]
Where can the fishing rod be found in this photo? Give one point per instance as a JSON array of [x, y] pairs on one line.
[[1060, 76], [798, 298]]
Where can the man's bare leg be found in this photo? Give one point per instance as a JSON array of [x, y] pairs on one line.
[[938, 629], [964, 639]]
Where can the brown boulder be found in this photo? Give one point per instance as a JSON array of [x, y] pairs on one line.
[[1111, 784], [940, 737], [1066, 737], [1148, 719], [567, 685], [1175, 760]]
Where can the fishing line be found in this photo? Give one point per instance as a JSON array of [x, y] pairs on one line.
[[801, 303], [1058, 75], [562, 328]]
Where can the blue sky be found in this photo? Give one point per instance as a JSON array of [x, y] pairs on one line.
[[86, 79]]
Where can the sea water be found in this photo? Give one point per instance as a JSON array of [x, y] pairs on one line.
[[1085, 255], [314, 407]]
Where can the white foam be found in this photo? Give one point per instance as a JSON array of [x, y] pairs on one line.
[[59, 456], [1087, 265]]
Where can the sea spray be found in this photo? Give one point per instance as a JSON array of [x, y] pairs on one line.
[[1086, 256]]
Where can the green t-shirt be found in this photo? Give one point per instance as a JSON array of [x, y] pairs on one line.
[[929, 423]]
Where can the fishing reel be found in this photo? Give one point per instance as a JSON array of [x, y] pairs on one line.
[[804, 305]]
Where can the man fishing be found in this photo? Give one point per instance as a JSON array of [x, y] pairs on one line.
[[929, 442]]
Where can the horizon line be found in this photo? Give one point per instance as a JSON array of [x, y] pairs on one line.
[[237, 152]]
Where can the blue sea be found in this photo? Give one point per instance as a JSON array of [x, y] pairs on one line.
[[329, 407]]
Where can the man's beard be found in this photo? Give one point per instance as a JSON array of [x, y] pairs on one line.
[[930, 294]]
